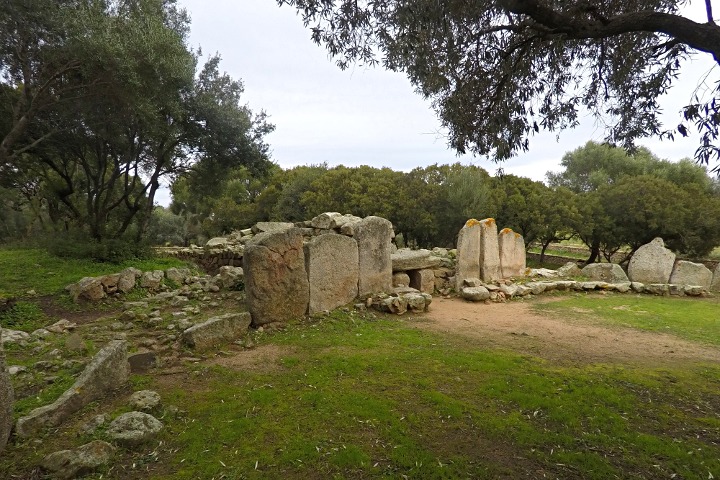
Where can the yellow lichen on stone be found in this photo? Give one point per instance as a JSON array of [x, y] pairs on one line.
[[472, 222], [517, 235], [488, 222], [506, 231]]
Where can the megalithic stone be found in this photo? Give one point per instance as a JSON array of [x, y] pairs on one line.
[[512, 253], [489, 251], [468, 253]]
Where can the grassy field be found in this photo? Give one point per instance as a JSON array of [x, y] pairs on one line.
[[354, 395]]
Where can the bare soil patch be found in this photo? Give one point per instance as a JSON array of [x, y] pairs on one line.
[[514, 325]]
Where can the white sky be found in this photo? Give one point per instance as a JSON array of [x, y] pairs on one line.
[[368, 116]]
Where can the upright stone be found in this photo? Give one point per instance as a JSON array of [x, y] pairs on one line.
[[6, 400], [689, 273], [332, 265], [276, 283], [512, 253], [489, 251], [651, 263], [373, 236], [715, 285], [468, 253]]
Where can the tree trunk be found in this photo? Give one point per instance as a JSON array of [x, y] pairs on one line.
[[594, 253]]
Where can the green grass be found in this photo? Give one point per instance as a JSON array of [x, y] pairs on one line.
[[25, 269], [689, 318], [357, 399]]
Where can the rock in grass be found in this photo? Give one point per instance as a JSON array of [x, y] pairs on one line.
[[144, 400], [134, 428], [6, 400], [67, 464]]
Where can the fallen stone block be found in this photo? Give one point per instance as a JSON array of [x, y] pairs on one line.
[[67, 464], [217, 330], [107, 371]]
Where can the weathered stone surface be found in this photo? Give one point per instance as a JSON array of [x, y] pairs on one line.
[[107, 371], [715, 284], [347, 219], [397, 305], [657, 289], [134, 428], [217, 330], [373, 236], [512, 253], [509, 290], [570, 269], [217, 242], [152, 280], [231, 277], [489, 251], [88, 288], [605, 272], [175, 275], [651, 263], [693, 290], [6, 399], [276, 282], [475, 294], [405, 259], [689, 273], [67, 464], [144, 400], [325, 220], [332, 265], [423, 280], [416, 302], [270, 227], [13, 336], [468, 253], [536, 288], [127, 280], [400, 279], [623, 287], [637, 287], [142, 362]]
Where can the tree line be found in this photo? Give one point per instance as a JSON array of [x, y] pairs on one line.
[[604, 196]]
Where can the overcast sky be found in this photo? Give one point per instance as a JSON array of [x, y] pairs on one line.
[[366, 116]]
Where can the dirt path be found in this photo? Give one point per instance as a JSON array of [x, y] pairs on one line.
[[516, 326]]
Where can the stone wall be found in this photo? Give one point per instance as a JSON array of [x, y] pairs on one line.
[[317, 266]]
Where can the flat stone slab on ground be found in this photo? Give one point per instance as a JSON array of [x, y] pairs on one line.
[[216, 330]]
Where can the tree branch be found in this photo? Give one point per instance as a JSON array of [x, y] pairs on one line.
[[699, 36]]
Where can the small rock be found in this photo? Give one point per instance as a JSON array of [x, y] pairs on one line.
[[75, 343], [61, 326], [67, 464], [144, 400], [90, 427], [142, 362], [16, 369], [475, 294], [134, 428]]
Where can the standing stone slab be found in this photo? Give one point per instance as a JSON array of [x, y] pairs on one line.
[[689, 273], [6, 400], [217, 330], [512, 253], [715, 284], [605, 272], [651, 263], [332, 264], [107, 371], [468, 253], [489, 251], [276, 282], [373, 236], [423, 280]]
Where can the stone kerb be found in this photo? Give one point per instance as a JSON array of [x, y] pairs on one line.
[[332, 264], [512, 253], [689, 273], [468, 253], [373, 236], [489, 251], [276, 282], [651, 263]]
